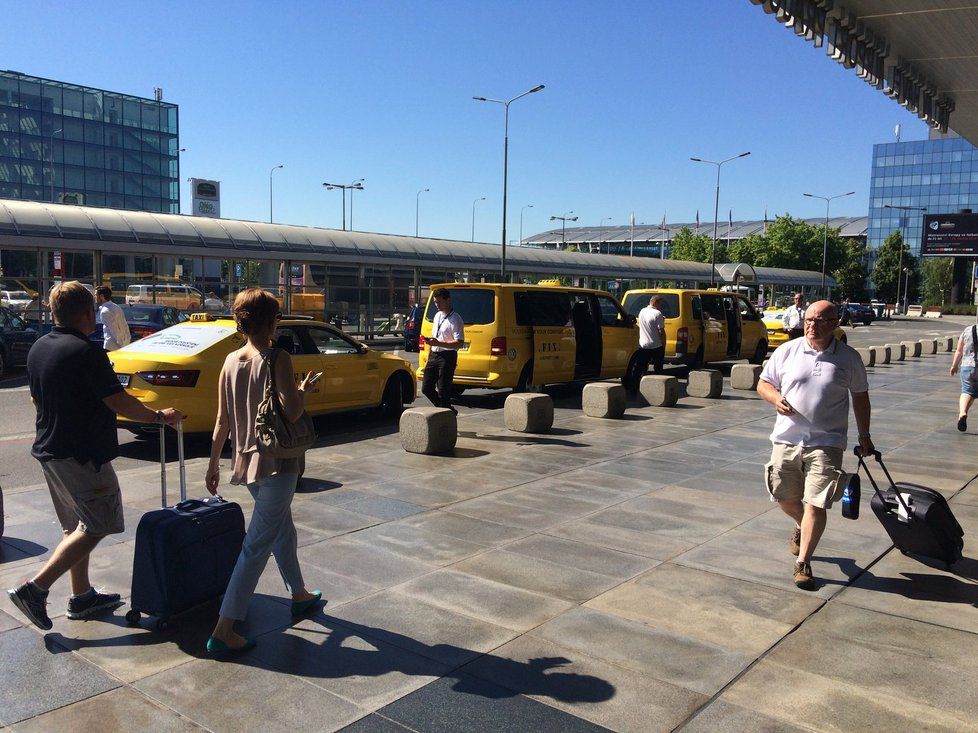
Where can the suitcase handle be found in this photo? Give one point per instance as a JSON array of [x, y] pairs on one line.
[[858, 452], [180, 460]]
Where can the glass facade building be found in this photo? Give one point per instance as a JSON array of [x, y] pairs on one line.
[[67, 143], [940, 174]]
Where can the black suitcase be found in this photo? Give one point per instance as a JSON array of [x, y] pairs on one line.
[[184, 554], [917, 519]]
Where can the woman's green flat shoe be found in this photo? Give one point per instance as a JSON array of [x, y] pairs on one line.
[[299, 608], [217, 648]]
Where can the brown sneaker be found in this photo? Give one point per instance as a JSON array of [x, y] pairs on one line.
[[803, 576], [796, 541]]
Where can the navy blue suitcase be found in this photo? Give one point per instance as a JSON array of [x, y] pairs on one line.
[[184, 554]]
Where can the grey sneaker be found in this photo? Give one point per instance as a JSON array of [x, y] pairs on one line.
[[32, 604], [90, 604]]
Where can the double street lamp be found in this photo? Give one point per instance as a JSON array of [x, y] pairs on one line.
[[505, 103], [825, 234], [716, 208], [900, 270], [355, 186], [563, 227], [417, 208]]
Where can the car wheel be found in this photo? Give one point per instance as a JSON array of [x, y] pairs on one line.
[[392, 403], [632, 376], [696, 362], [759, 353], [523, 383]]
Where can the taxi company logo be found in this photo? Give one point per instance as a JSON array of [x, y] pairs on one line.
[[511, 354]]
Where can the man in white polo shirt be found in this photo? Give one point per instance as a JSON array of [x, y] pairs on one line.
[[652, 335], [447, 337], [809, 380]]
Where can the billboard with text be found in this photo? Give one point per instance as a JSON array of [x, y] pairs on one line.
[[949, 235]]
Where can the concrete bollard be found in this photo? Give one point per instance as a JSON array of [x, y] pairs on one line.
[[881, 354], [898, 352], [928, 346], [949, 344], [868, 356], [529, 413], [603, 399], [745, 376], [912, 348], [704, 383], [659, 390], [428, 430]]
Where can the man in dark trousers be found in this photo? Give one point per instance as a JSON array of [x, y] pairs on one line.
[[77, 396], [793, 319], [652, 335], [447, 337]]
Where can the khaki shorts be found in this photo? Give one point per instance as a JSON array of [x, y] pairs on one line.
[[84, 497], [809, 474]]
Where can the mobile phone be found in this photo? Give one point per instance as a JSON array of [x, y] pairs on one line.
[[314, 378]]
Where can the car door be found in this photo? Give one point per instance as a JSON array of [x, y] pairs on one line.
[[547, 315], [751, 328], [714, 327], [305, 358], [619, 337], [351, 377]]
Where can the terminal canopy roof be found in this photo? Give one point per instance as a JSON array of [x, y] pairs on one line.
[[59, 226]]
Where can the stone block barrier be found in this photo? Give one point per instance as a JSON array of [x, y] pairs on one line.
[[881, 354], [928, 346], [704, 383], [745, 376], [898, 352], [659, 390], [603, 399], [912, 348], [428, 430], [868, 356], [529, 413]]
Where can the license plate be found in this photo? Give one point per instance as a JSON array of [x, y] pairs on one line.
[[123, 379]]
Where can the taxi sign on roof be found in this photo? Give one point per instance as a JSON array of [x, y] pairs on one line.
[[182, 339]]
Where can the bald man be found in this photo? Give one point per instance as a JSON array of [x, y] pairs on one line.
[[809, 380]]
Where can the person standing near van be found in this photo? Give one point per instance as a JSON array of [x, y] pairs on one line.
[[447, 337], [652, 336], [793, 319], [115, 330]]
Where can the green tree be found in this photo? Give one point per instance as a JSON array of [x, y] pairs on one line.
[[887, 267], [696, 247], [851, 274], [937, 276]]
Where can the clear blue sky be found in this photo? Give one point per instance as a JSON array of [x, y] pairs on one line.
[[382, 90]]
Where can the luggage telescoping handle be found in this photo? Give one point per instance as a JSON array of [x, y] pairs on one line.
[[180, 460], [879, 459]]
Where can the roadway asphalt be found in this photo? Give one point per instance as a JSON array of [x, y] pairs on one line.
[[18, 469]]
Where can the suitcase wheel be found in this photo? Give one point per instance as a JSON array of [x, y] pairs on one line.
[[162, 625], [132, 617]]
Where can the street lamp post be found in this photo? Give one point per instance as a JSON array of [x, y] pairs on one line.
[[271, 218], [906, 287], [417, 208], [473, 215], [825, 234], [528, 206], [505, 103], [355, 186], [716, 208], [182, 150], [563, 227], [900, 268], [52, 161]]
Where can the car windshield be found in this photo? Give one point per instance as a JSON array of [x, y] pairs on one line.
[[183, 339], [135, 314], [476, 306], [634, 302], [17, 295]]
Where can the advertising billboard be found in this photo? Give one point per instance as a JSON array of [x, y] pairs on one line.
[[949, 235], [206, 197]]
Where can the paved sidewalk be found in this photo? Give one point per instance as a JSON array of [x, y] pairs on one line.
[[627, 574]]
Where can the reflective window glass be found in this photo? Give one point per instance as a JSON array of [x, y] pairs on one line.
[[112, 109], [9, 119], [51, 94], [130, 112], [94, 156], [9, 172], [132, 162], [92, 103], [134, 184], [94, 132], [150, 117], [72, 103], [94, 179], [113, 136], [74, 178], [74, 153], [9, 91], [30, 122], [30, 94]]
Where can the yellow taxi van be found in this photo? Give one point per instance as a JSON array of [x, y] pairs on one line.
[[776, 335], [179, 366], [704, 326], [522, 335]]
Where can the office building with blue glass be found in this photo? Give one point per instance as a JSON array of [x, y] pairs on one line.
[[67, 143], [940, 173]]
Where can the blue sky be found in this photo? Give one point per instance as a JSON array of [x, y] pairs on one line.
[[338, 91]]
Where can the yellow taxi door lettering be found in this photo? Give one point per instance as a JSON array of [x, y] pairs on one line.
[[714, 328], [547, 316]]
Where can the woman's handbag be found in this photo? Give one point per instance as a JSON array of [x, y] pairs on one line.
[[276, 436]]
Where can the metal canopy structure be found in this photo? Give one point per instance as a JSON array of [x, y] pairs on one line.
[[31, 224]]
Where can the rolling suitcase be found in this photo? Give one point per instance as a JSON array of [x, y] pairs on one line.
[[185, 554], [917, 519]]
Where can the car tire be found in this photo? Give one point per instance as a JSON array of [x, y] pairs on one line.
[[631, 379], [392, 402], [759, 353], [523, 383], [696, 361]]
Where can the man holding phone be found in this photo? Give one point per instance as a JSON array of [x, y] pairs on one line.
[[809, 380], [447, 337]]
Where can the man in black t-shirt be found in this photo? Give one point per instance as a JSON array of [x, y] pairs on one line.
[[77, 396]]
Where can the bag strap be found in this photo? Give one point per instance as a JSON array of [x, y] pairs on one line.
[[974, 342], [271, 393]]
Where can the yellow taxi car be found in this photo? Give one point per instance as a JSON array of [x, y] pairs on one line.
[[178, 367], [776, 335]]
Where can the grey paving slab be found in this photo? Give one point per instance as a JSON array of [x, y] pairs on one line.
[[581, 555], [119, 710], [723, 717], [327, 520], [39, 676], [336, 588], [275, 702], [382, 507], [657, 546], [375, 723], [505, 605], [517, 515], [589, 688], [424, 628], [418, 542], [346, 659], [488, 708], [664, 655], [750, 619], [362, 561], [687, 530], [481, 531], [10, 622]]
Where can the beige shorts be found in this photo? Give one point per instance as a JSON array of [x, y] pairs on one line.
[[84, 497], [809, 474]]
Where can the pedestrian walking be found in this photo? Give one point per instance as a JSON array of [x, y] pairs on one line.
[[447, 337], [115, 330], [793, 319], [77, 397], [270, 481], [652, 336], [809, 381], [964, 360]]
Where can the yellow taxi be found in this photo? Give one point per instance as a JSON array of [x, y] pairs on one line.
[[522, 335], [776, 335], [704, 326], [179, 366]]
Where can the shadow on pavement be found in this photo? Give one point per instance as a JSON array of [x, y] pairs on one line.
[[527, 438], [14, 548]]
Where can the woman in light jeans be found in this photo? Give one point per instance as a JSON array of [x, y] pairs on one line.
[[271, 481], [964, 357]]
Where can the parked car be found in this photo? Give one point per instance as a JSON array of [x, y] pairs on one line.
[[859, 313], [776, 335], [181, 297], [16, 339], [143, 320], [412, 328], [16, 300]]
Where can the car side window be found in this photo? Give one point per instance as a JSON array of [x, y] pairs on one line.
[[611, 314], [747, 312], [327, 341], [289, 339], [169, 317]]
